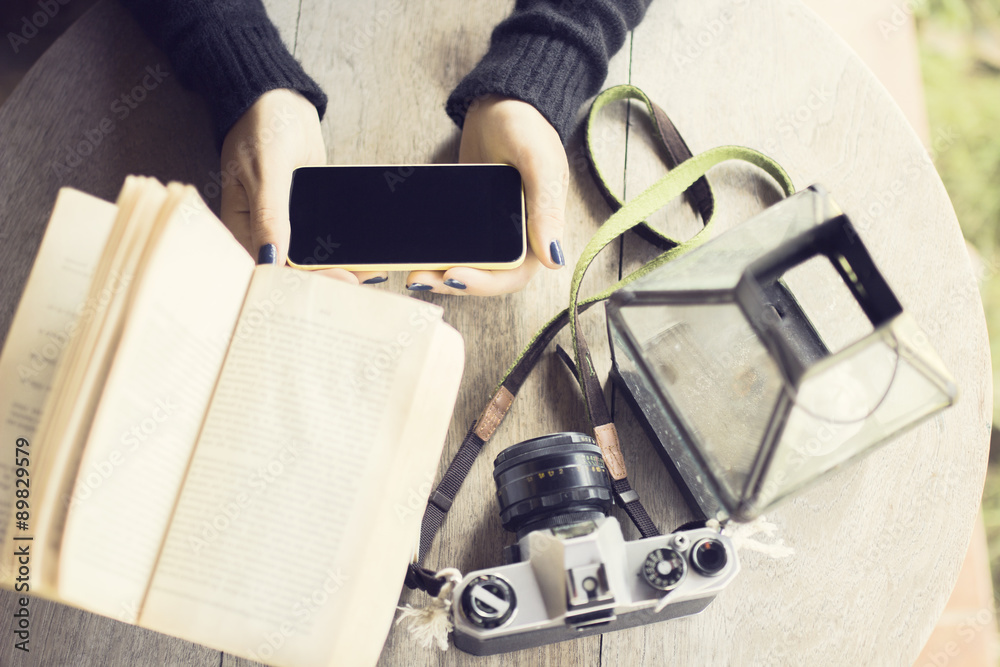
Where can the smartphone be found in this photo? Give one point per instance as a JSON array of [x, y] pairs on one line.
[[401, 218]]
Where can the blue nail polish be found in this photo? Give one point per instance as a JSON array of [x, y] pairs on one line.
[[457, 284], [268, 254], [555, 251], [376, 280], [419, 287]]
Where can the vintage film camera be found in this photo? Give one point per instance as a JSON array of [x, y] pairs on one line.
[[572, 574], [756, 364]]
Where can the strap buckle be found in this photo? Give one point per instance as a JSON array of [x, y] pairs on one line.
[[440, 501]]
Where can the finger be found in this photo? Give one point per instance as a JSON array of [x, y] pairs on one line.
[[435, 281], [427, 281], [481, 282], [371, 277], [339, 274], [268, 204], [235, 214], [545, 175]]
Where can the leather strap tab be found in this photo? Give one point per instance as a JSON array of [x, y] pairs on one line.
[[699, 194], [494, 413], [607, 439]]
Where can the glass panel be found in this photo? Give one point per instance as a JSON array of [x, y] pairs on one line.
[[813, 442], [698, 490], [717, 377], [849, 389], [719, 263], [827, 302]]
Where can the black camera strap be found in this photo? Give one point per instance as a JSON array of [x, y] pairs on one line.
[[686, 176]]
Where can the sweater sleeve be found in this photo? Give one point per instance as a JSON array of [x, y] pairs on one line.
[[552, 54], [228, 51]]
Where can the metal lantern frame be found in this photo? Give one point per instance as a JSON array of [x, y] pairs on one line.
[[743, 269]]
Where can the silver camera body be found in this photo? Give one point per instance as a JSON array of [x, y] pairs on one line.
[[583, 579]]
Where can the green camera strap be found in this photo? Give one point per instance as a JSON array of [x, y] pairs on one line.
[[686, 175]]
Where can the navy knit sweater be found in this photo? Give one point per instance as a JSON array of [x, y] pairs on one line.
[[552, 54], [226, 50]]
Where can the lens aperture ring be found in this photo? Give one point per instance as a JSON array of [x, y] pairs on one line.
[[547, 481]]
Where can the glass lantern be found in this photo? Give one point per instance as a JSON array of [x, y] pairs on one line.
[[767, 357]]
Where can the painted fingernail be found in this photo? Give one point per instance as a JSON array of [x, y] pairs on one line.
[[555, 251], [376, 280], [419, 287], [457, 284], [268, 254]]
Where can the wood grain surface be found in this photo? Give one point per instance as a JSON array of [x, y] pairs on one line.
[[878, 545]]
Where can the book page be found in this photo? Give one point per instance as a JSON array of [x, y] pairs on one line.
[[49, 314], [69, 408], [180, 317], [308, 419], [393, 525]]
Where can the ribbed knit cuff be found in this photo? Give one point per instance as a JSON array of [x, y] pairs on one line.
[[233, 69], [551, 75]]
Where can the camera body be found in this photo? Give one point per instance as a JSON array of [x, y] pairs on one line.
[[572, 573], [585, 579]]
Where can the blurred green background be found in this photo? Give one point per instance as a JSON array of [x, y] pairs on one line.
[[960, 58]]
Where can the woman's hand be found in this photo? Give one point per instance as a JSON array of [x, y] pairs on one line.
[[278, 133], [508, 131]]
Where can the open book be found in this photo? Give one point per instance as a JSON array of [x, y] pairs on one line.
[[219, 451]]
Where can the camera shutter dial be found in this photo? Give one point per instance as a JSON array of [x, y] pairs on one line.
[[664, 569], [488, 601]]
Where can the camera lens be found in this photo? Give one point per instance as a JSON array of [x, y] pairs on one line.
[[709, 557], [551, 481]]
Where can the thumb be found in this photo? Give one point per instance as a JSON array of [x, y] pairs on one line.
[[269, 224], [545, 175]]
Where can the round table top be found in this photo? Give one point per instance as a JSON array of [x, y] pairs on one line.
[[878, 545]]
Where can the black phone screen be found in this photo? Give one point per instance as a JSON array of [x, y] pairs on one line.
[[448, 214]]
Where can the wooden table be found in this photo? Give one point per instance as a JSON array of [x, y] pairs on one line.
[[877, 546]]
